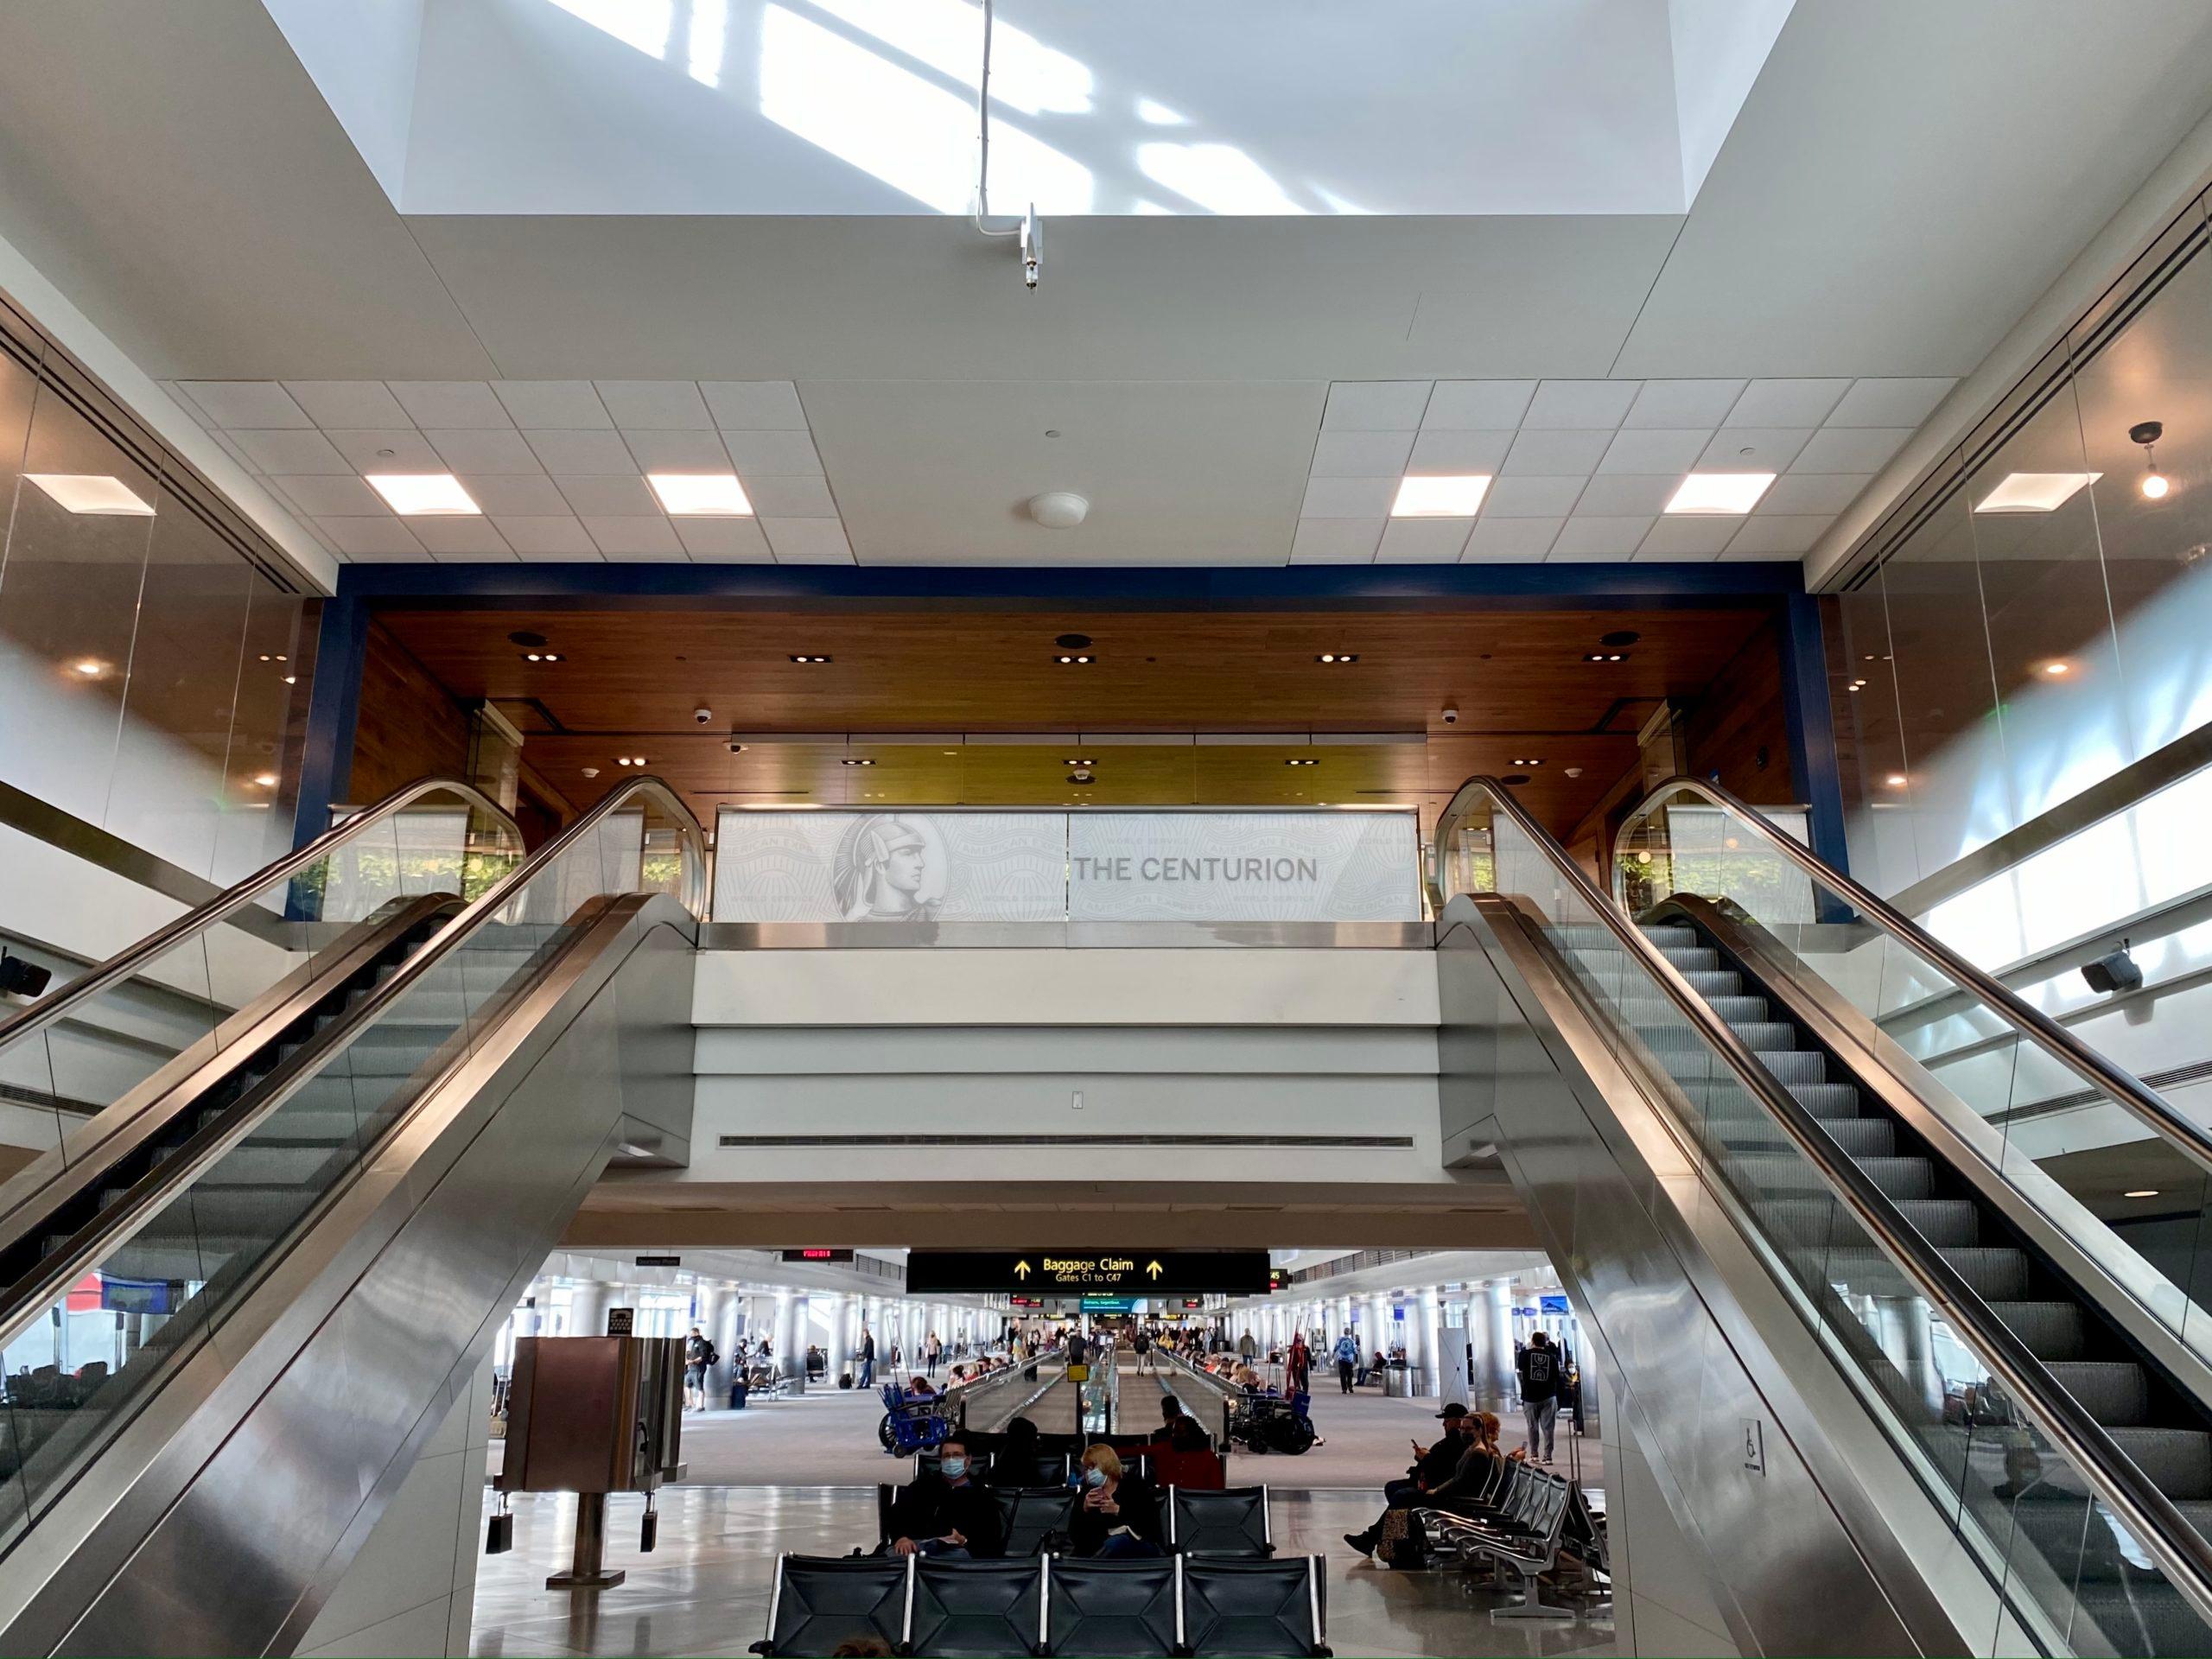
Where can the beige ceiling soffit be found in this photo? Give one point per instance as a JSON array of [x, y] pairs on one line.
[[2173, 184]]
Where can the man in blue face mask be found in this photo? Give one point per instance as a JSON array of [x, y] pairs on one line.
[[946, 1512]]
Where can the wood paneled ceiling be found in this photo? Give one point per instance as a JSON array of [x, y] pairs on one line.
[[921, 694]]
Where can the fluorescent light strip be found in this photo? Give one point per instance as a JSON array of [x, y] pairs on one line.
[[701, 495], [417, 495], [1439, 495], [1729, 494]]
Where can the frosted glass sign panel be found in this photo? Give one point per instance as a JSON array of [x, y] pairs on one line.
[[1231, 867], [891, 867]]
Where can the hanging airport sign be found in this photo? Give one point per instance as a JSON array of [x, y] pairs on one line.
[[1087, 1273]]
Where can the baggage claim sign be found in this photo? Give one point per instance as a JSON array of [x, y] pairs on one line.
[[1091, 1273]]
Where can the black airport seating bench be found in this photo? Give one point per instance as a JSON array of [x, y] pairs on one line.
[[1050, 1605], [1235, 1523], [1524, 1523]]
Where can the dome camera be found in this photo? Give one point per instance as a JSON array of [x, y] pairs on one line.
[[736, 747], [1450, 715], [702, 714]]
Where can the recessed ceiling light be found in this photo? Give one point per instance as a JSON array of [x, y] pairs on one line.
[[291, 679], [415, 494], [542, 657], [1604, 656], [701, 495], [1720, 492], [856, 763], [1303, 761], [1338, 658], [1439, 495], [1526, 763], [265, 780], [2142, 1192], [803, 656], [92, 492], [1077, 659], [2034, 492], [2058, 670], [1896, 780], [1065, 763]]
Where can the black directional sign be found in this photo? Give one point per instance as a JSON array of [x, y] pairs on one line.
[[1095, 1273]]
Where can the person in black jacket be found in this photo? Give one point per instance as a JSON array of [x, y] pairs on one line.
[[1433, 1465], [1119, 1515], [1015, 1462], [947, 1513]]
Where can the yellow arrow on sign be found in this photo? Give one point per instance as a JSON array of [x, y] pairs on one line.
[[1154, 1268], [1021, 1270]]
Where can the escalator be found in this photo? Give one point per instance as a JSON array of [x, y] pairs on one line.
[[1905, 1384], [304, 1204]]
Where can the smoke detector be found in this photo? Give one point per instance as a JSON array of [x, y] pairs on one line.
[[1058, 509]]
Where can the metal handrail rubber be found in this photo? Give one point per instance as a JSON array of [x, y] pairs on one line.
[[2149, 1515], [126, 964], [2145, 1103], [38, 1292]]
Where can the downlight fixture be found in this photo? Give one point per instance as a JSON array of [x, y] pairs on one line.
[[2153, 483], [1058, 509]]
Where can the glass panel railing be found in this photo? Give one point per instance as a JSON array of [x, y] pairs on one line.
[[96, 1038], [179, 1268], [2105, 1160], [1945, 1381]]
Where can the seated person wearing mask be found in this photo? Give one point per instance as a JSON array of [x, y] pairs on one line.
[[946, 1513], [1119, 1515]]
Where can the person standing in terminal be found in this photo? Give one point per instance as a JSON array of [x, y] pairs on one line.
[[932, 1351], [1246, 1347], [1298, 1365], [1539, 1384], [868, 1357], [698, 1354], [1347, 1357]]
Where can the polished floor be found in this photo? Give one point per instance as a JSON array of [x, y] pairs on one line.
[[705, 1588]]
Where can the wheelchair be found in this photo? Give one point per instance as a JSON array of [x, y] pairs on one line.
[[913, 1422], [1266, 1423]]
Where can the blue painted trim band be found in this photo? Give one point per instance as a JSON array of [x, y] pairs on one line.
[[341, 653], [1808, 714]]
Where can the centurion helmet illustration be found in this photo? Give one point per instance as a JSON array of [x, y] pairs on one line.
[[889, 868]]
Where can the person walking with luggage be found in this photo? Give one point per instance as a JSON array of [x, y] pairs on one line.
[[1347, 1358], [698, 1354], [1142, 1343], [1540, 1390]]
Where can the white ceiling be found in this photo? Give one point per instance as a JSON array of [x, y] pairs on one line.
[[1901, 182]]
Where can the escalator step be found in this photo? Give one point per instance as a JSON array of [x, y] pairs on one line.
[[1641, 1011], [1716, 982], [1765, 1037], [1902, 1178], [1899, 1178], [1997, 1272], [1944, 1223], [1860, 1137], [1685, 959], [2051, 1330], [1826, 1099], [1671, 935], [2115, 1392], [2177, 1461], [2140, 1617]]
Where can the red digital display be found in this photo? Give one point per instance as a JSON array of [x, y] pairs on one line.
[[817, 1254]]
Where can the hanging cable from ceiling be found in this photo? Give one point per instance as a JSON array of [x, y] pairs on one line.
[[1029, 228]]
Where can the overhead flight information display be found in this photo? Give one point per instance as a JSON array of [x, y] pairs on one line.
[[1093, 1273]]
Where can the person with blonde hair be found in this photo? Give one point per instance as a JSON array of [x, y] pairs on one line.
[[1119, 1517]]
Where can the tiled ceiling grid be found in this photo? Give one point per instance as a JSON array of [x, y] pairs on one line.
[[1582, 469], [558, 466]]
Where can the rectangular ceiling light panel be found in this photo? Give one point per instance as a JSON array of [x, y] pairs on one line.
[[1735, 493], [1439, 495], [714, 495], [2034, 492], [92, 492], [414, 494]]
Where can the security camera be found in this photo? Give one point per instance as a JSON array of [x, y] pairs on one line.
[[736, 747], [1574, 771], [1450, 715], [702, 714]]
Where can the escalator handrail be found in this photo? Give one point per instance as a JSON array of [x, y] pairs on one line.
[[2147, 1513], [129, 962], [2143, 1102], [179, 1174]]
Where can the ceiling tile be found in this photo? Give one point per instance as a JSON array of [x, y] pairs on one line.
[[553, 403], [1477, 405], [330, 495], [1771, 448], [1670, 452], [1336, 541], [678, 452], [1348, 498], [1683, 404], [1850, 450], [789, 454], [755, 405], [791, 498], [1589, 534], [1374, 405], [1689, 536], [387, 449], [724, 541], [1423, 541], [347, 402], [445, 404], [609, 497], [1456, 450], [1556, 454], [632, 536], [578, 453], [808, 540], [1531, 497], [1889, 403], [1786, 402], [369, 536], [488, 554], [1582, 405], [481, 451], [1511, 539], [1361, 455], [510, 496], [1821, 492], [460, 533], [536, 535], [1781, 534], [655, 405], [245, 404], [278, 453], [1620, 495]]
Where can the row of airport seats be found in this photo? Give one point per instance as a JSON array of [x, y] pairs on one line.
[[1525, 1523], [1050, 1605], [1234, 1522], [1055, 1456]]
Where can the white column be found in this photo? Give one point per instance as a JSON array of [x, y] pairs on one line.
[[837, 1344], [1378, 1325], [788, 1334], [587, 1306], [1494, 1346], [728, 1307], [1431, 1313]]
